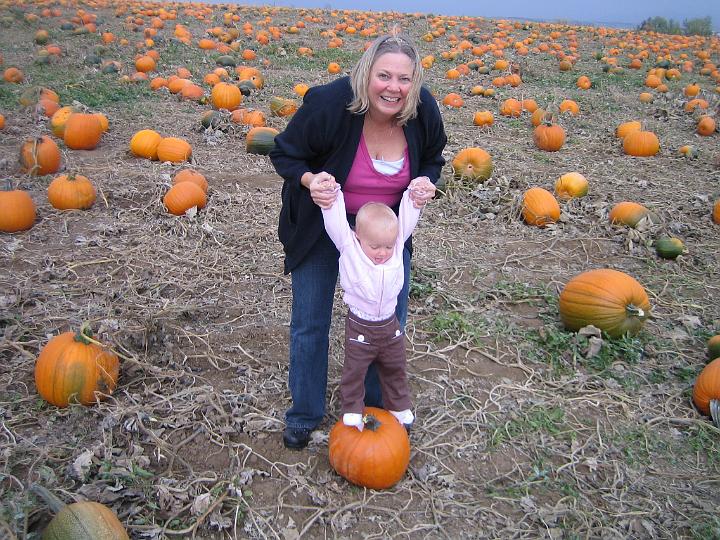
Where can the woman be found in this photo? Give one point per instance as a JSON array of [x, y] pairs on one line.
[[372, 133]]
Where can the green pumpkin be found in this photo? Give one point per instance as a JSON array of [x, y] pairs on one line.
[[226, 61], [669, 247], [246, 87], [261, 140]]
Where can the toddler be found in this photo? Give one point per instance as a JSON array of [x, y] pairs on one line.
[[372, 275]]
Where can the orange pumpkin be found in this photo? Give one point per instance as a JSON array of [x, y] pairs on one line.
[[539, 207], [40, 156], [608, 299], [226, 96], [144, 143], [572, 184], [191, 175], [549, 136], [713, 347], [483, 118], [626, 127], [70, 368], [376, 457], [583, 82], [17, 210], [282, 107], [174, 150], [82, 131], [707, 387], [627, 213], [706, 126], [511, 107], [568, 105], [641, 143], [473, 164], [71, 191], [453, 100], [183, 196], [716, 212]]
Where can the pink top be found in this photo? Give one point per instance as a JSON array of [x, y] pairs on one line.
[[365, 184], [369, 288]]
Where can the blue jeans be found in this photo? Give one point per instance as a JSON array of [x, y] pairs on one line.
[[313, 288]]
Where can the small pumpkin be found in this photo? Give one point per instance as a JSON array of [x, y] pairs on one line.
[[511, 107], [17, 210], [669, 247], [260, 140], [376, 457], [226, 96], [707, 387], [626, 127], [183, 196], [40, 156], [641, 143], [713, 347], [282, 106], [706, 126], [191, 175], [584, 82], [174, 150], [144, 143], [549, 136], [569, 105], [453, 100], [87, 520], [71, 192], [539, 207], [82, 131], [71, 368], [572, 184], [483, 118], [608, 299], [627, 213], [716, 212], [472, 164]]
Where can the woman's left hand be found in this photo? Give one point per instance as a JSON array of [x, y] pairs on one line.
[[421, 191]]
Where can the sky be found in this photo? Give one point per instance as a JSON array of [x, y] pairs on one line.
[[628, 12]]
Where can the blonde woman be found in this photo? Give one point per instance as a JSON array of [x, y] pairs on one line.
[[372, 133]]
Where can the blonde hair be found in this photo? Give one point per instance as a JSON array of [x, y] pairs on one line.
[[375, 214], [360, 74]]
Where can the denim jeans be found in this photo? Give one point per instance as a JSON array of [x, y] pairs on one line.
[[313, 288]]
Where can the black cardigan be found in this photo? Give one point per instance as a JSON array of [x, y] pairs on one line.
[[324, 136]]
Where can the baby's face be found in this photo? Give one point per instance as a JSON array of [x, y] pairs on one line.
[[377, 242]]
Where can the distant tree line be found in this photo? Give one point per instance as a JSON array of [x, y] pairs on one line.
[[690, 27]]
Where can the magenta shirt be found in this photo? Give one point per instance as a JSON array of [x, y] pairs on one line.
[[365, 184]]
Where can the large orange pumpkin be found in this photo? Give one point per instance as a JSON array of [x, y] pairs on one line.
[[174, 150], [706, 125], [82, 131], [627, 213], [608, 299], [549, 137], [472, 164], [641, 143], [226, 96], [71, 192], [572, 184], [191, 175], [183, 196], [716, 212], [707, 387], [539, 207], [17, 210], [626, 127], [376, 457], [40, 156], [70, 368], [144, 143]]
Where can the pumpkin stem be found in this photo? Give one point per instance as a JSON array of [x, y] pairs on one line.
[[84, 335], [635, 311], [371, 422], [52, 500]]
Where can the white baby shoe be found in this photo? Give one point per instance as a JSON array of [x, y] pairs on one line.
[[354, 420], [404, 417]]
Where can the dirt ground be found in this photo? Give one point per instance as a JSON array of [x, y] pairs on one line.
[[521, 432]]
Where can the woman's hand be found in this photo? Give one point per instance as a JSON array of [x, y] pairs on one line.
[[421, 191], [323, 188]]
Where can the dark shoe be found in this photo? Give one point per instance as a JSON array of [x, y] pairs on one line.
[[408, 428], [296, 438]]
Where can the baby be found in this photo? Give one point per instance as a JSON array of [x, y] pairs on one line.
[[372, 276]]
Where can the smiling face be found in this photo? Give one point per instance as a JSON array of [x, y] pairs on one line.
[[390, 81]]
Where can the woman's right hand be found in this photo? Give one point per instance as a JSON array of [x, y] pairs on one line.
[[323, 188]]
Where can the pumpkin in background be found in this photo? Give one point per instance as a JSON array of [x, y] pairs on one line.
[[59, 118], [87, 520], [2, 121], [453, 100], [706, 126], [301, 89], [472, 164], [572, 184], [707, 387], [226, 96], [183, 196], [713, 347], [568, 105], [17, 210], [716, 212], [144, 143], [549, 136], [583, 82], [260, 140], [641, 143], [251, 74], [483, 118], [71, 192], [174, 150], [40, 156], [191, 175], [13, 75], [145, 64], [82, 131], [627, 213], [608, 299], [626, 127], [669, 247], [376, 457], [537, 117], [539, 207], [282, 107], [31, 96], [511, 107], [71, 368]]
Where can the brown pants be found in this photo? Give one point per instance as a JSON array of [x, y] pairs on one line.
[[381, 342]]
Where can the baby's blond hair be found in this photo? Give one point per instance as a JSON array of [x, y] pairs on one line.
[[376, 215]]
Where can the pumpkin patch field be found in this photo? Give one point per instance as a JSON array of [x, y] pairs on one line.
[[563, 300]]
